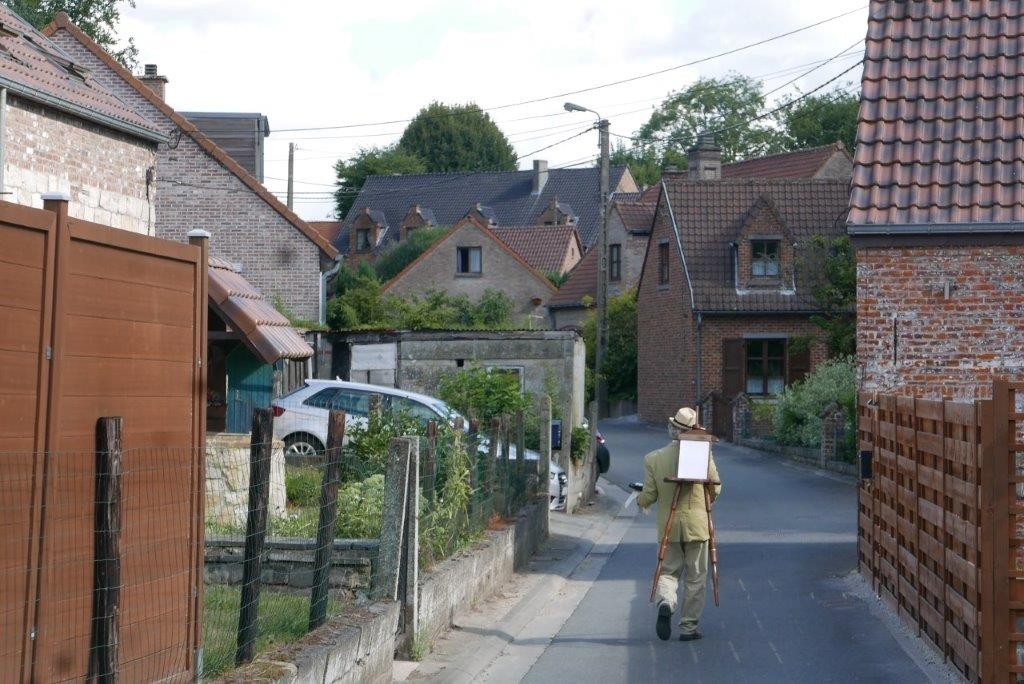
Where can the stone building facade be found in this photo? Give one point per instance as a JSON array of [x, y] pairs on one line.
[[200, 186]]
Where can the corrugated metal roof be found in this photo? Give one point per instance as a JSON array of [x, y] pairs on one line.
[[941, 136], [263, 328]]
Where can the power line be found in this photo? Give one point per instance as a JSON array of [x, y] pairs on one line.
[[610, 84]]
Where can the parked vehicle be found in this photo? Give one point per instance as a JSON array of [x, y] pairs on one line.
[[300, 419]]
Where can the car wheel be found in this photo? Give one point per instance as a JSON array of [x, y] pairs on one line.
[[302, 447]]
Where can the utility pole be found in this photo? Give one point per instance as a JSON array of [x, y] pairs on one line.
[[291, 174], [601, 329], [601, 341]]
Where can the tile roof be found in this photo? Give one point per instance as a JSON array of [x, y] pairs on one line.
[[328, 230], [941, 137], [710, 214], [637, 217], [582, 282], [795, 164], [62, 21], [508, 193], [36, 69], [264, 330], [543, 247]]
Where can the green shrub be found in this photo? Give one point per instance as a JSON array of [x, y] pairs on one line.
[[483, 394], [302, 485], [797, 418], [390, 263], [580, 441], [359, 508]]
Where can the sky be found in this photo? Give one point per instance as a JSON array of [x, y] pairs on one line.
[[345, 63]]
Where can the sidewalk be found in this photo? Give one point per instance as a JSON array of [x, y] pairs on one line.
[[502, 639]]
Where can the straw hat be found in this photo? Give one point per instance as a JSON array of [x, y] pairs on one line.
[[685, 419]]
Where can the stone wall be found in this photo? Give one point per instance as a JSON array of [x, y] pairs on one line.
[[103, 171], [227, 479]]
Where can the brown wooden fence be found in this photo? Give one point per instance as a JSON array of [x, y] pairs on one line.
[[938, 523], [98, 322]]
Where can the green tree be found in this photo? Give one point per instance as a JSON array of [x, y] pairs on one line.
[[390, 263], [620, 356], [97, 18], [822, 120], [482, 394], [372, 161], [457, 138], [836, 293]]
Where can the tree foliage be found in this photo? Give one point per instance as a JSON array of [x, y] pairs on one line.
[[822, 120], [796, 415], [457, 138], [97, 18], [390, 263], [836, 293], [483, 394], [620, 356], [370, 161], [361, 304]]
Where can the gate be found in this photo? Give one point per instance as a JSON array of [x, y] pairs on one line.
[[941, 523], [98, 322]]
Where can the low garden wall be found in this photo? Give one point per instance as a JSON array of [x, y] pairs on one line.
[[807, 455]]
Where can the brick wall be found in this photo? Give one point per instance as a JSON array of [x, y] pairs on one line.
[[499, 271], [196, 191], [102, 170], [942, 346]]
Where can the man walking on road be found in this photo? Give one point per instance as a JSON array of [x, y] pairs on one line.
[[687, 550]]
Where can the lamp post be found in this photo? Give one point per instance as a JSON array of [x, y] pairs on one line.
[[601, 329]]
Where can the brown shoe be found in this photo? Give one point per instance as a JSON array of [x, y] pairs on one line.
[[691, 636]]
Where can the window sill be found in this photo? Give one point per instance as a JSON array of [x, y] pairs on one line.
[[469, 275], [664, 287]]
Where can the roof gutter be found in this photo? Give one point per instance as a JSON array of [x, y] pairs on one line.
[[933, 228], [82, 112], [679, 245]]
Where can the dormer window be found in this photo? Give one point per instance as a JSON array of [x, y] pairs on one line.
[[764, 258], [362, 239]]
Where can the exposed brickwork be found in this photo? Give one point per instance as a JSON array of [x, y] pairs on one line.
[[764, 222], [103, 171], [942, 346], [196, 191]]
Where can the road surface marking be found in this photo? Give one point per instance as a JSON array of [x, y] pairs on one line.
[[772, 585], [742, 586], [757, 620], [776, 652], [734, 653]]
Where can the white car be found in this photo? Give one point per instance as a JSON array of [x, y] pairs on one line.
[[300, 419]]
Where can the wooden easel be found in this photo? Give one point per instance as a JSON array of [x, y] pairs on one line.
[[712, 547]]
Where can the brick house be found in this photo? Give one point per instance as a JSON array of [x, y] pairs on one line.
[[541, 196], [471, 259], [724, 300], [200, 186], [937, 205], [64, 131]]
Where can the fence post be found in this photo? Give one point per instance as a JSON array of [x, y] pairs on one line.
[[490, 466], [328, 517], [1000, 477], [430, 463], [987, 483], [411, 547], [501, 498], [384, 585], [107, 575], [473, 451], [255, 532], [521, 468], [544, 457], [374, 413]]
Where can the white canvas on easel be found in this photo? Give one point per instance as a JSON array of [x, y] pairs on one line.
[[694, 460]]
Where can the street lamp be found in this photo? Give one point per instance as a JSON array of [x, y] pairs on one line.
[[601, 336]]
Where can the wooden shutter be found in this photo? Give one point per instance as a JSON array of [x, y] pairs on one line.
[[732, 367], [798, 363]]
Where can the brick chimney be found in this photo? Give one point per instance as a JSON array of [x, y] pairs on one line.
[[540, 175], [154, 81], [705, 159]]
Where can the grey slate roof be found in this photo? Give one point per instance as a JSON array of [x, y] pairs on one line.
[[508, 193]]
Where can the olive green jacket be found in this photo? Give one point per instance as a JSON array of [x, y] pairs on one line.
[[691, 520]]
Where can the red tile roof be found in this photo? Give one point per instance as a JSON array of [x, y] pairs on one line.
[[941, 136], [36, 69], [327, 229], [582, 282], [264, 330], [637, 216], [543, 247], [62, 21], [796, 164]]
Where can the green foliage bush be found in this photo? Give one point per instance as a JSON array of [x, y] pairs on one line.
[[404, 252], [620, 356], [581, 438], [797, 418], [359, 508], [483, 394], [302, 485]]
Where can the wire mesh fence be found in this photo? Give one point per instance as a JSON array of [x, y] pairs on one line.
[[126, 564]]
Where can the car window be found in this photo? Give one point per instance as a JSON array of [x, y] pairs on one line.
[[352, 402], [321, 399], [415, 409]]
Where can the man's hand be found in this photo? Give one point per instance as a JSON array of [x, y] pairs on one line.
[[636, 486]]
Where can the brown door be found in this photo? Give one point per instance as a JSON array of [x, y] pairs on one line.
[[732, 384]]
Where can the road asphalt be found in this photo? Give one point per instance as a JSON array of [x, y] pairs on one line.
[[792, 608]]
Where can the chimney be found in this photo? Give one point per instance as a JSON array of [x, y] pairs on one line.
[[540, 175], [154, 81], [705, 159]]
